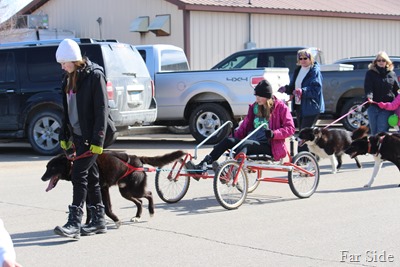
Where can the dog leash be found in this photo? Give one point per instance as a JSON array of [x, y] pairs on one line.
[[351, 111], [84, 155]]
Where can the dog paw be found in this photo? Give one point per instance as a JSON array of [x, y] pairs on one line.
[[367, 186], [118, 224], [135, 219]]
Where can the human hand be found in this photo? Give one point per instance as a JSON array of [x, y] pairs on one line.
[[381, 105], [298, 92], [96, 149], [282, 89], [65, 144], [269, 133]]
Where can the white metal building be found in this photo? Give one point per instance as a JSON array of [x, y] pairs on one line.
[[210, 30]]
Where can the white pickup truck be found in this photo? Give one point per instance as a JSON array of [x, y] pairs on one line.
[[204, 99]]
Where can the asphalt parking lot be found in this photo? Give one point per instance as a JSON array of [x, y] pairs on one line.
[[342, 224]]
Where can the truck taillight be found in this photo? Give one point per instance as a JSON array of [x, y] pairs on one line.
[[255, 81], [110, 91]]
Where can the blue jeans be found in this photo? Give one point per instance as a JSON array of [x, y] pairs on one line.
[[378, 119]]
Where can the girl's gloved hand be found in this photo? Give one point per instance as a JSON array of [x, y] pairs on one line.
[[65, 144], [96, 149]]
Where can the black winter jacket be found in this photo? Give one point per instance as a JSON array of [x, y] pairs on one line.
[[381, 83], [92, 104]]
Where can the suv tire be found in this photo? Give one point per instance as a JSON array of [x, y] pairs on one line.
[[43, 132], [206, 119], [357, 118]]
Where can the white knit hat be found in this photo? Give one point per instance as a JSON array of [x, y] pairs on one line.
[[68, 51]]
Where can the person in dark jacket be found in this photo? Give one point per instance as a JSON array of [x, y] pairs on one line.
[[305, 87], [380, 85], [83, 128]]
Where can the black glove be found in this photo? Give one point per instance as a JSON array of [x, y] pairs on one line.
[[269, 134]]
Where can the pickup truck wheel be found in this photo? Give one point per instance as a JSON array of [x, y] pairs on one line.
[[206, 119], [357, 118], [43, 131]]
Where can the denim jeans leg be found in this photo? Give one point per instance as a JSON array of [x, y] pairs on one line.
[[372, 112], [382, 124]]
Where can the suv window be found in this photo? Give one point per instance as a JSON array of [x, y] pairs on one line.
[[42, 66], [7, 67], [122, 60]]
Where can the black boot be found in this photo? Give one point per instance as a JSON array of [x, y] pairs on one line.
[[73, 227], [97, 224], [199, 168]]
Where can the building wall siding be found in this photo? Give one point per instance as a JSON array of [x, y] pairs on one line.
[[214, 36]]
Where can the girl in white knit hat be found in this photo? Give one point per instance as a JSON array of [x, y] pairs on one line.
[[83, 128]]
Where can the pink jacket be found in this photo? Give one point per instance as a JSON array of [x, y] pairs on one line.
[[281, 122], [394, 105]]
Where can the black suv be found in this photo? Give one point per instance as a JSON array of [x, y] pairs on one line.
[[30, 93]]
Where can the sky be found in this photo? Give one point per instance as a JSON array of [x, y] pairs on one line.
[[9, 7]]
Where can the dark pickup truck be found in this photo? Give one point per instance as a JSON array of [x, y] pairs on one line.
[[343, 86]]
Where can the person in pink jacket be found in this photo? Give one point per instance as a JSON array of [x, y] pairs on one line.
[[394, 105], [270, 139]]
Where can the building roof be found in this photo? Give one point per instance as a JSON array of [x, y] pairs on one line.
[[378, 9], [384, 9]]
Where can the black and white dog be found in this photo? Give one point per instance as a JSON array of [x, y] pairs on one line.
[[383, 146], [327, 143]]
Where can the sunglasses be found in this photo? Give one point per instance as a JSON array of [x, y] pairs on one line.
[[303, 58], [380, 60]]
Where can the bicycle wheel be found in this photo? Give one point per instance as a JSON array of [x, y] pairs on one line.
[[252, 177], [229, 194], [302, 184], [171, 186]]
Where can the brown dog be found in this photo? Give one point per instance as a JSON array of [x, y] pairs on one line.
[[115, 168]]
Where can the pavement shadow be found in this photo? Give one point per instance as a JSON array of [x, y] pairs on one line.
[[38, 238], [359, 189], [194, 206], [256, 199], [209, 204]]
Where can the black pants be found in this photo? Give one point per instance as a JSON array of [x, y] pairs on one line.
[[248, 147], [85, 176], [303, 122]]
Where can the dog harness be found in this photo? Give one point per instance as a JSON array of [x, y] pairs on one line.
[[130, 169], [133, 169], [379, 144]]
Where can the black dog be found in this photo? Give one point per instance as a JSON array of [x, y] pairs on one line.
[[327, 143], [115, 168], [383, 146]]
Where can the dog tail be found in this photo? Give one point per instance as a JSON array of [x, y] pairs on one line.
[[159, 161]]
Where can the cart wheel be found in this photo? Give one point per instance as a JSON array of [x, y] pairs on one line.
[[302, 184], [252, 177], [229, 194], [171, 185]]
